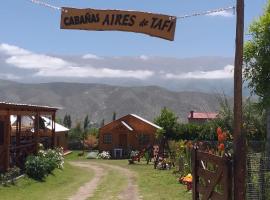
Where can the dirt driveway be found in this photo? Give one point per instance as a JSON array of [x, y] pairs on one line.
[[130, 191]]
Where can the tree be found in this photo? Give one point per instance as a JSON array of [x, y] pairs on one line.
[[67, 121], [86, 126], [114, 116], [257, 63], [102, 123], [168, 121]]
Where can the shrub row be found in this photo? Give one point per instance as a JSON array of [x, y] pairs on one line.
[[43, 164]]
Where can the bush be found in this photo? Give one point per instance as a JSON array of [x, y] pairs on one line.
[[36, 167], [10, 176], [104, 155], [39, 166]]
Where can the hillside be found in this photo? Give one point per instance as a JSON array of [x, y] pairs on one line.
[[100, 101]]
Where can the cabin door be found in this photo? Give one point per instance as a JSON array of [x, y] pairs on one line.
[[123, 141]]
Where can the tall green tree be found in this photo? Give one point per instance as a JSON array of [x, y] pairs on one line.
[[257, 62], [114, 116], [86, 126], [67, 121], [168, 121]]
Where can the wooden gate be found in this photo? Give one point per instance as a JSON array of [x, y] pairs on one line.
[[212, 176]]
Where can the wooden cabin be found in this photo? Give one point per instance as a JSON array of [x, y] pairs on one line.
[[130, 132], [18, 138]]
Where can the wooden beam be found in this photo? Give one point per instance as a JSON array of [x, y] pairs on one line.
[[36, 131], [239, 143], [53, 130], [7, 133]]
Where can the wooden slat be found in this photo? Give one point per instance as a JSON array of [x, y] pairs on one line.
[[210, 158], [214, 195], [206, 174]]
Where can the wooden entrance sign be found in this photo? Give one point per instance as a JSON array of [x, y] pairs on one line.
[[157, 25]]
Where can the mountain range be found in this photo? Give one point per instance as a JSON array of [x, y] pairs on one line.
[[99, 101]]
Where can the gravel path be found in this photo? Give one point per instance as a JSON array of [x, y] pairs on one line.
[[130, 192]]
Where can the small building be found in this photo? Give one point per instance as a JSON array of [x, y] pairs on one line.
[[22, 128], [130, 132], [201, 117]]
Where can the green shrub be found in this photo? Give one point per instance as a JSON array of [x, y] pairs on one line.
[[36, 167], [10, 176], [39, 166]]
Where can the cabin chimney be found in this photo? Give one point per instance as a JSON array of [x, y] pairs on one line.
[[191, 114]]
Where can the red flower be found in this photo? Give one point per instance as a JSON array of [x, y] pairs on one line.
[[219, 131], [221, 147]]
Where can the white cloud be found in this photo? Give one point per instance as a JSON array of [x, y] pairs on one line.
[[84, 72], [91, 56], [144, 57], [223, 13], [225, 73], [9, 76], [25, 59], [49, 66]]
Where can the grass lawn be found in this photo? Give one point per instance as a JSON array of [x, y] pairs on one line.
[[56, 187], [153, 184]]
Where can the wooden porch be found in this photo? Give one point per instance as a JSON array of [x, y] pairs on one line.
[[17, 141]]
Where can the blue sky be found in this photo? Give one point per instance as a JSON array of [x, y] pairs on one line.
[[37, 29]]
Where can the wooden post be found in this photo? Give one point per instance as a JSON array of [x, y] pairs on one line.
[[7, 141], [194, 174], [239, 143], [53, 130], [18, 130], [36, 132]]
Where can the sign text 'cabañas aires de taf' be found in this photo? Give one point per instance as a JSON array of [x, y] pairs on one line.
[[157, 25]]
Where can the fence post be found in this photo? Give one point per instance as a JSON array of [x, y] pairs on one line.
[[194, 174]]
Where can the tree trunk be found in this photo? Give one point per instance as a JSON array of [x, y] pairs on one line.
[[268, 123], [267, 145]]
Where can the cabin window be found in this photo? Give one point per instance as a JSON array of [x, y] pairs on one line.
[[2, 132], [144, 139], [107, 139]]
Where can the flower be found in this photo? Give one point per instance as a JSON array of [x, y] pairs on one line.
[[221, 147], [219, 131]]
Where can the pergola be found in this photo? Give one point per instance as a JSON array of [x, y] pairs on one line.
[[16, 142]]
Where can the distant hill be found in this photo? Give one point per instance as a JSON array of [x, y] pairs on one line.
[[100, 101]]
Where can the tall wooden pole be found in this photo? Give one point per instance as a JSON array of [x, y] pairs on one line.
[[239, 143]]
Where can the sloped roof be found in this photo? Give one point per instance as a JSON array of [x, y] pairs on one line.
[[124, 122], [58, 127], [47, 123], [146, 121], [203, 115], [8, 105], [127, 126]]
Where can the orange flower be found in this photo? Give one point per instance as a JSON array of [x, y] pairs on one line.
[[220, 138], [219, 131], [221, 147]]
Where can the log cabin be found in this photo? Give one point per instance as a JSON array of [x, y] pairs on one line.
[[22, 128], [125, 134]]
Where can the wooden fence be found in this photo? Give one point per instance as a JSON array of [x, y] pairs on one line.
[[212, 176]]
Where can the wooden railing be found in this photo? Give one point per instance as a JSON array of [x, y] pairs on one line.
[[2, 158], [19, 153], [212, 176]]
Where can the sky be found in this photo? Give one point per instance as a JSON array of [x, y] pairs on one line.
[[34, 49], [37, 29]]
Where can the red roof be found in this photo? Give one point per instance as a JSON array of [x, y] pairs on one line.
[[203, 115]]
